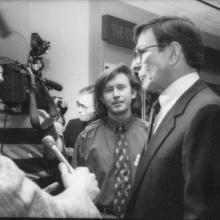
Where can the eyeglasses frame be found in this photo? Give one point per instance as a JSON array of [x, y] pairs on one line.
[[138, 53]]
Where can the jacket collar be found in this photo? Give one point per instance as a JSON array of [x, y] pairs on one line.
[[114, 124], [164, 129]]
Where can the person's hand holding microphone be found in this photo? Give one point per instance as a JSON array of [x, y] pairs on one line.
[[78, 179]]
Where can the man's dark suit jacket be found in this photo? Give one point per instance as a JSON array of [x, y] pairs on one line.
[[178, 176], [72, 130]]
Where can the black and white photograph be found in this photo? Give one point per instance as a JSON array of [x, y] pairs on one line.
[[110, 109]]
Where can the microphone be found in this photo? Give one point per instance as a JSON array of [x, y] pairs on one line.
[[48, 141], [52, 84]]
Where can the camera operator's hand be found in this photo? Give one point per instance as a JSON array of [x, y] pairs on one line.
[[81, 179]]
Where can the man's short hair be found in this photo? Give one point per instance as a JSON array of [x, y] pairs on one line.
[[108, 75], [180, 29], [87, 90]]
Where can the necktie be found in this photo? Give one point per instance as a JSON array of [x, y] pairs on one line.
[[154, 111], [122, 174]]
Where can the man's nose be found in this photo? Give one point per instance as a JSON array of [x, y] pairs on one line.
[[79, 109], [115, 93], [135, 67]]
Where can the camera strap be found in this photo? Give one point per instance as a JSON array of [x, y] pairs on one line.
[[33, 110], [53, 114]]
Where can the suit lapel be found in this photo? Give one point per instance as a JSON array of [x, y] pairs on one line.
[[163, 131]]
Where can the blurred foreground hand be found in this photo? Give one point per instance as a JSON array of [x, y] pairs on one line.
[[80, 179], [81, 187], [21, 197]]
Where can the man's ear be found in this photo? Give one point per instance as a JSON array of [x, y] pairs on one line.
[[133, 93], [175, 52]]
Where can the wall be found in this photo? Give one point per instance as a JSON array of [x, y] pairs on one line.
[[73, 27], [100, 51], [66, 25]]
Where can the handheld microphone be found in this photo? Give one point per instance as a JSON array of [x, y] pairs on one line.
[[52, 84], [48, 141]]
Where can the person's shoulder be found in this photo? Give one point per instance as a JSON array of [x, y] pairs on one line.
[[87, 135], [90, 129], [140, 122], [206, 96], [74, 120], [93, 125]]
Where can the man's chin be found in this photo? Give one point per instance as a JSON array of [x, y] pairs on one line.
[[83, 119], [149, 87], [118, 112], [146, 84]]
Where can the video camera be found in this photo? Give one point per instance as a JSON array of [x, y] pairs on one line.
[[16, 81], [18, 78]]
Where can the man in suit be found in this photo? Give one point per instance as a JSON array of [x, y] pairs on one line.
[[178, 176]]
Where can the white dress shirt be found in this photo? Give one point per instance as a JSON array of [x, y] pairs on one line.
[[172, 93]]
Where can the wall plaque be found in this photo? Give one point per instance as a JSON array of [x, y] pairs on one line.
[[117, 31]]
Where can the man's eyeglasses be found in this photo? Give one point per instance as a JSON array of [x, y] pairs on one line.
[[139, 52]]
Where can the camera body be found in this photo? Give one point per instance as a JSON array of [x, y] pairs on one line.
[[15, 85], [21, 85]]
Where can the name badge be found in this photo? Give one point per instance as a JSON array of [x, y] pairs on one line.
[[137, 160]]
